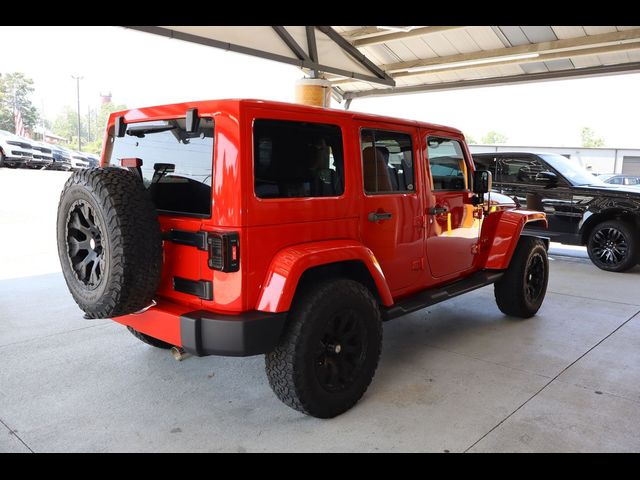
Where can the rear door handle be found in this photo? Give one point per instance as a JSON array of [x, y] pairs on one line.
[[376, 217], [438, 210]]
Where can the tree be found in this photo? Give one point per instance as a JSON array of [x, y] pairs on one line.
[[15, 90], [493, 137], [469, 138], [589, 138], [66, 125]]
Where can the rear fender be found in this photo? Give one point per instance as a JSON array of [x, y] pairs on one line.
[[289, 264], [500, 235]]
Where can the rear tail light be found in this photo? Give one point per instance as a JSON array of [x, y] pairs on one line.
[[224, 251]]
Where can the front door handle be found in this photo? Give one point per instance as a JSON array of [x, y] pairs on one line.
[[376, 217], [438, 210]]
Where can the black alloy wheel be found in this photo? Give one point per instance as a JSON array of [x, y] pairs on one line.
[[329, 351], [523, 286], [85, 242], [614, 246], [341, 351], [610, 246], [534, 282]]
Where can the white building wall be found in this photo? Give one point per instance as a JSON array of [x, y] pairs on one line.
[[598, 160]]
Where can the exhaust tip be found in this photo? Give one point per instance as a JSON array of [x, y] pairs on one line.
[[179, 354]]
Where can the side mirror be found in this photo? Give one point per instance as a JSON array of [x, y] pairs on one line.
[[547, 178], [481, 182]]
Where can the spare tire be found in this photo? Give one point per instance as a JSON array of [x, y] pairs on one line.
[[109, 242]]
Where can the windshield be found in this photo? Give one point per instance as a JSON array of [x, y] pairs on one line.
[[571, 170]]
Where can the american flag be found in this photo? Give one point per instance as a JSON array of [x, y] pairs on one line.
[[17, 116]]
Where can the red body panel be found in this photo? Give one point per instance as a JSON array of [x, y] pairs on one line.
[[281, 238], [289, 264], [500, 233]]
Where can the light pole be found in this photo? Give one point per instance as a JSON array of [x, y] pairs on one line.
[[77, 79]]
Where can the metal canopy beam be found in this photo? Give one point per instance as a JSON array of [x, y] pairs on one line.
[[542, 47], [311, 43], [363, 32], [301, 63], [548, 57], [489, 82], [544, 52], [355, 53], [561, 55], [394, 36], [292, 44]]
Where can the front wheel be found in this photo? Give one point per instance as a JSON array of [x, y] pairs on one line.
[[521, 290], [614, 246], [329, 352]]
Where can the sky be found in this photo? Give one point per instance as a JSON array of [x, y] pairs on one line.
[[140, 69]]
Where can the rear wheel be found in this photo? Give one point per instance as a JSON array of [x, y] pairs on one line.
[[521, 290], [614, 246], [329, 352], [154, 342]]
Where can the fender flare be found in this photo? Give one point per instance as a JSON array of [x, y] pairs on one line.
[[505, 228], [288, 265]]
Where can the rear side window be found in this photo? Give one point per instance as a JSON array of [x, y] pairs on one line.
[[176, 165], [297, 159], [447, 164], [387, 162]]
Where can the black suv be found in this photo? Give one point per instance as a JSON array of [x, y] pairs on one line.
[[581, 209]]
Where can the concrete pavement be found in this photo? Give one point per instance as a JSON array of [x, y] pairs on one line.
[[459, 376]]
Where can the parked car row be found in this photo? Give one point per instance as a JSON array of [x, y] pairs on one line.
[[19, 152]]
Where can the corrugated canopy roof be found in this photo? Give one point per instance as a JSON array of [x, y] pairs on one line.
[[384, 60]]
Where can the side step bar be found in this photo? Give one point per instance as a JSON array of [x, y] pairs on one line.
[[432, 296]]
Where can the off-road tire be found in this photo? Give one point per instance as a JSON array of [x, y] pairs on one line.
[[154, 342], [292, 367], [129, 238], [626, 234], [512, 291]]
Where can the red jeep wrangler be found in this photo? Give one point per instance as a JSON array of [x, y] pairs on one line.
[[244, 227]]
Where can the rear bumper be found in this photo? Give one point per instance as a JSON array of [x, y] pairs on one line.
[[252, 333], [202, 332]]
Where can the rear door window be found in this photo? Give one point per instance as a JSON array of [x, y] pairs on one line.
[[176, 165], [387, 161]]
